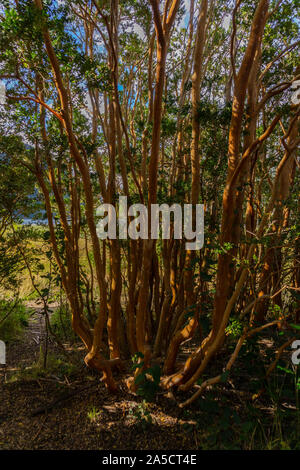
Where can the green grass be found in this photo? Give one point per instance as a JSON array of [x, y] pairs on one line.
[[56, 366], [93, 414], [13, 320], [61, 325]]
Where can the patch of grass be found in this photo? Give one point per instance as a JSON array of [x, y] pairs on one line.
[[93, 414], [61, 325], [13, 320], [56, 366]]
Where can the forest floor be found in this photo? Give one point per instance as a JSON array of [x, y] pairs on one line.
[[68, 407]]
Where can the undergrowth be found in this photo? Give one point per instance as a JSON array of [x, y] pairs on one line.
[[13, 320]]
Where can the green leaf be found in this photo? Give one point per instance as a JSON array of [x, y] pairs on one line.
[[224, 376]]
